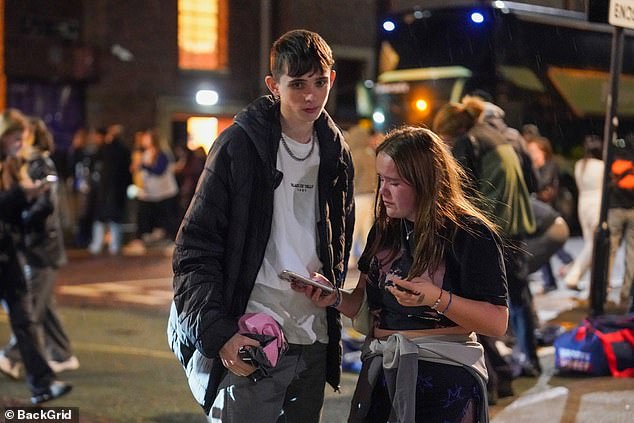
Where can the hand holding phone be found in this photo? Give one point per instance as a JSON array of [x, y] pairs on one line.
[[291, 276], [390, 283]]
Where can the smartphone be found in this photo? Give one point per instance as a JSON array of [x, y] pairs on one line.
[[291, 276], [399, 287], [244, 354]]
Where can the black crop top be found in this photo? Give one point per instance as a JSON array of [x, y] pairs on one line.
[[473, 268]]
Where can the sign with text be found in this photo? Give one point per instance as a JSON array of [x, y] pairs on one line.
[[621, 13]]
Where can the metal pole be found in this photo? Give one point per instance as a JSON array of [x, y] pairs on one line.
[[601, 254]]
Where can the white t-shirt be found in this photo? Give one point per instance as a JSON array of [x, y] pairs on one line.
[[293, 246]]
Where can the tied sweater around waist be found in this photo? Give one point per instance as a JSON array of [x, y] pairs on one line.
[[398, 357]]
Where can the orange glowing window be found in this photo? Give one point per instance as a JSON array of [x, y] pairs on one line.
[[202, 34]]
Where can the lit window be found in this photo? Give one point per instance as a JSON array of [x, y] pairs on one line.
[[201, 132], [202, 34]]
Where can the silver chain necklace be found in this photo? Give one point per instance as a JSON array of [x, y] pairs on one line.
[[293, 156]]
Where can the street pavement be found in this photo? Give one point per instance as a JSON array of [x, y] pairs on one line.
[[115, 310]]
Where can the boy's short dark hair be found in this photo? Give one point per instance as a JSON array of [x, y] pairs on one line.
[[299, 52]]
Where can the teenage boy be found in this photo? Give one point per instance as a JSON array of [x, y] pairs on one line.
[[276, 193]]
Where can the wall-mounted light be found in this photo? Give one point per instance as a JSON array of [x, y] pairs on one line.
[[121, 53], [207, 97]]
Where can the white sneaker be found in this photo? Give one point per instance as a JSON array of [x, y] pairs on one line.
[[61, 366], [9, 368]]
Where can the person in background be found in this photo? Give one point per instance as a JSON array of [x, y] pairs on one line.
[[157, 195], [433, 275], [16, 191], [363, 140], [82, 157], [541, 154], [276, 193], [497, 181], [187, 169], [111, 177], [44, 253], [589, 178], [621, 213]]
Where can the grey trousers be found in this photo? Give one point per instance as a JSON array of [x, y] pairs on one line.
[[47, 324], [294, 392], [621, 224]]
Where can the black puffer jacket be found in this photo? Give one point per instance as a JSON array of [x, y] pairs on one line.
[[223, 237], [12, 202], [43, 237]]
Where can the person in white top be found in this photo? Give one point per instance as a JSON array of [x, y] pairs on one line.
[[589, 177], [276, 193]]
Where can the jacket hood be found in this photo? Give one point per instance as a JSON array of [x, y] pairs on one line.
[[488, 136], [261, 121]]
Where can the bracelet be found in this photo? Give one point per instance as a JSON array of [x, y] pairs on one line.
[[437, 302], [448, 304], [337, 302]]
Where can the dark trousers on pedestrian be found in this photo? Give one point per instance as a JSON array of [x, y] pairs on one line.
[[500, 372], [158, 214], [522, 318], [294, 392], [48, 326], [14, 291]]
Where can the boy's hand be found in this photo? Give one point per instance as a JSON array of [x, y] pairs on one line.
[[319, 297], [229, 355]]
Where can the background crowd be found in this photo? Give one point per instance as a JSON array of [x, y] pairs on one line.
[[98, 195], [115, 194]]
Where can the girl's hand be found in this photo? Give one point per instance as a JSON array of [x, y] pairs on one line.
[[317, 296], [415, 293], [33, 189]]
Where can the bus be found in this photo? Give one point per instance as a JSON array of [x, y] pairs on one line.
[[544, 66]]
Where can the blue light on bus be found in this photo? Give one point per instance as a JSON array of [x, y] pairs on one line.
[[389, 26], [477, 17]]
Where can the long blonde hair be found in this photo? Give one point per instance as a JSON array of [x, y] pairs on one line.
[[424, 162]]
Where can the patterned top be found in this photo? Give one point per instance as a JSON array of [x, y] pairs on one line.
[[472, 268]]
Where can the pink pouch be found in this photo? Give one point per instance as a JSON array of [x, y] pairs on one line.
[[267, 331]]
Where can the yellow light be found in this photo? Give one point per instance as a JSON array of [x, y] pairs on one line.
[[421, 105]]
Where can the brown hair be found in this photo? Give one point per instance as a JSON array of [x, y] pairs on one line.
[[298, 52], [424, 162], [544, 145], [456, 119], [42, 137]]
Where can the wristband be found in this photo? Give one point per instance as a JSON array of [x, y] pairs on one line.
[[448, 304], [337, 302], [437, 302]]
